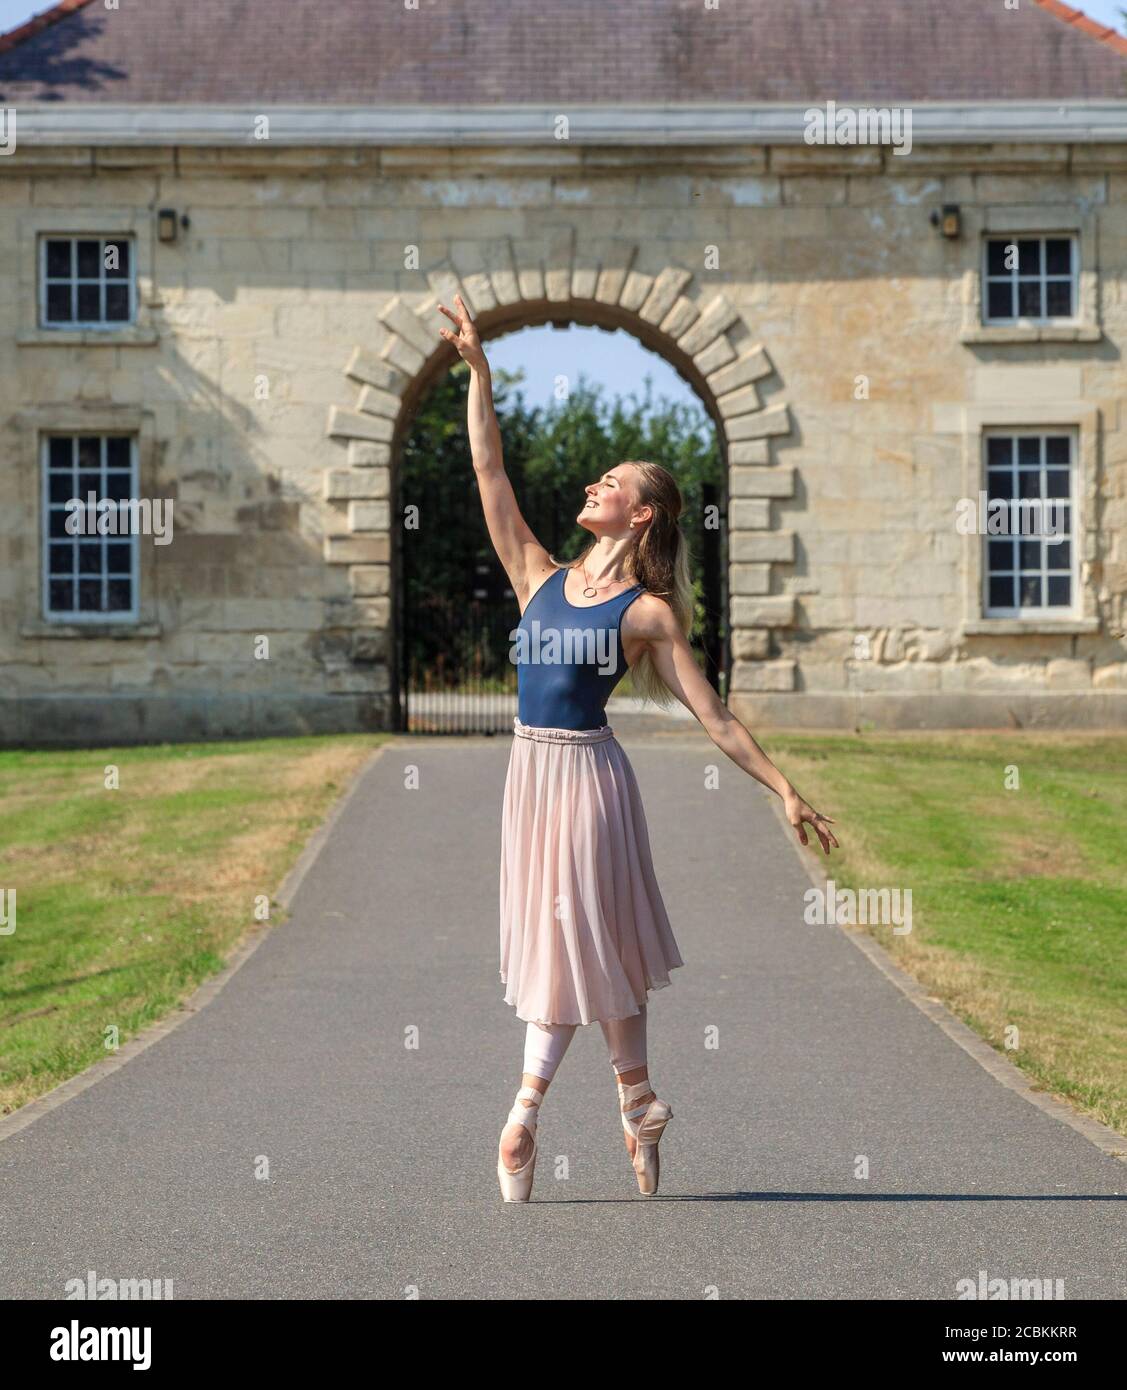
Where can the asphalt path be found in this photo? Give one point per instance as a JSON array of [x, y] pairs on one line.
[[364, 1053]]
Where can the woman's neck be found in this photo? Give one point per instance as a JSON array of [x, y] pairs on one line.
[[606, 562]]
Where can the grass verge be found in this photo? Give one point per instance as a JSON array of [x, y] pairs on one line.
[[127, 899], [1019, 896]]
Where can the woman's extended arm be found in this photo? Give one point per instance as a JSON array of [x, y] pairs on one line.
[[521, 554], [673, 659]]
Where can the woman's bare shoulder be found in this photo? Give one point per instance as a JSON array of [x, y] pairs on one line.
[[648, 616]]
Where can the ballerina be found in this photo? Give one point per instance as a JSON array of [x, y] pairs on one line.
[[585, 936]]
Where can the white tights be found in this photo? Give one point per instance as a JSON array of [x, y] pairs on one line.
[[546, 1043]]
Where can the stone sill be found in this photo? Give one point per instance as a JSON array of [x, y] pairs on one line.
[[1020, 627], [1032, 333], [118, 630], [88, 337]]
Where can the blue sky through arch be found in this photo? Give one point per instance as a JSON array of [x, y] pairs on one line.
[[613, 360]]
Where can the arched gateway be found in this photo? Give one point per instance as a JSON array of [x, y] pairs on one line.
[[690, 323]]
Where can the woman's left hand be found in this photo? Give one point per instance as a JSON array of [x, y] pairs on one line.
[[798, 812]]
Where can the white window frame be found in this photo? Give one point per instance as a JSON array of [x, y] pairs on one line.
[[1014, 222], [101, 325], [85, 222], [1043, 612], [99, 617], [1042, 415], [1043, 279]]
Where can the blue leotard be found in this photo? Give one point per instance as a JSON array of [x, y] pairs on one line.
[[568, 658]]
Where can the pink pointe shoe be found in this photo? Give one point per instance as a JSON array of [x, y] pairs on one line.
[[645, 1124], [516, 1184]]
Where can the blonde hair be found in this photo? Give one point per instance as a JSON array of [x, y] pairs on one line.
[[659, 561]]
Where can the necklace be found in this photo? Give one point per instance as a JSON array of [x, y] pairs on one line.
[[590, 591]]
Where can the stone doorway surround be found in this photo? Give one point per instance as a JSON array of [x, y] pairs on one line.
[[508, 285]]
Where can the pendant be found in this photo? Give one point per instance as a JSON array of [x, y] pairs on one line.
[[590, 593]]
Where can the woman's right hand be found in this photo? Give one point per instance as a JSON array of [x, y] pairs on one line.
[[799, 813], [465, 341]]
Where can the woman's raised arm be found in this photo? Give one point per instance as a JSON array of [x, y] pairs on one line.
[[521, 554]]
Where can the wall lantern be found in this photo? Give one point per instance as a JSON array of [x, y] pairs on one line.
[[166, 224], [948, 220]]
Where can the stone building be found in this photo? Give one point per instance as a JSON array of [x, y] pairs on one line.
[[889, 252]]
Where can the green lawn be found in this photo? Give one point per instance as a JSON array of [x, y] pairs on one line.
[[1019, 897], [127, 899]]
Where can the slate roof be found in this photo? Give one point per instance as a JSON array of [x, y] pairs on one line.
[[464, 52]]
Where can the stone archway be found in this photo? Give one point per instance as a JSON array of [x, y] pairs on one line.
[[694, 326]]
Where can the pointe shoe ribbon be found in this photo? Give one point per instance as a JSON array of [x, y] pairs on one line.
[[646, 1124], [516, 1185]]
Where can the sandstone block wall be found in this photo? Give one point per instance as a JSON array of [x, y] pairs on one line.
[[833, 333]]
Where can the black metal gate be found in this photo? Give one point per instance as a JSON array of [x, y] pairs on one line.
[[456, 676], [712, 637]]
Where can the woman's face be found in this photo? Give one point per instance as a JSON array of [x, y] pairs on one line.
[[610, 503]]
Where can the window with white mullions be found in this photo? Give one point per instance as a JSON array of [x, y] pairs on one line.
[[88, 576], [1031, 279], [86, 282], [1030, 568]]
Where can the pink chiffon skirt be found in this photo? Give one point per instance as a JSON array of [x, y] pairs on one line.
[[584, 931]]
